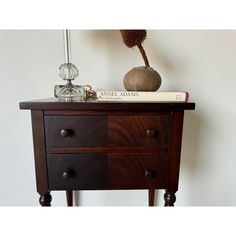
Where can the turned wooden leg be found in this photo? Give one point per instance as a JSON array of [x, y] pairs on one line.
[[169, 198], [45, 200], [151, 196], [69, 198]]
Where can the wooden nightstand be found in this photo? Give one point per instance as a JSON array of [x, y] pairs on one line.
[[106, 145]]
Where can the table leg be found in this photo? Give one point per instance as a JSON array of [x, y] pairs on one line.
[[45, 200], [69, 198], [151, 196], [169, 198]]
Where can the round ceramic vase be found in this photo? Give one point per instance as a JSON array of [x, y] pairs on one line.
[[142, 79]]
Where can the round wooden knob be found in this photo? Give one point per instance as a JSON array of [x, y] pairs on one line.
[[151, 132], [67, 174], [65, 133], [149, 174]]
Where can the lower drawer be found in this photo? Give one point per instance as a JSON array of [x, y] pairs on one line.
[[137, 171], [107, 171], [77, 171]]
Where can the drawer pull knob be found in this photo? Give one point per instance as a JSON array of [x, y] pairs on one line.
[[149, 174], [151, 132], [66, 133], [67, 174]]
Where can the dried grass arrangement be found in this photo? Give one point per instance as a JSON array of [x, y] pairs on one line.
[[132, 38]]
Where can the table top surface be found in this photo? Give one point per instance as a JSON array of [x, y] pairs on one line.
[[93, 104]]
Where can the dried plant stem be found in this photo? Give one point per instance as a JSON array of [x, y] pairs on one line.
[[143, 53]]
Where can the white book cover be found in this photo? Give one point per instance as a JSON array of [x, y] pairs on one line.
[[169, 96]]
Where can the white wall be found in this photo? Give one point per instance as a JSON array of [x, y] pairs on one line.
[[201, 62]]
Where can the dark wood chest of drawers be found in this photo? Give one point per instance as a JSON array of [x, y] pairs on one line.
[[99, 145]]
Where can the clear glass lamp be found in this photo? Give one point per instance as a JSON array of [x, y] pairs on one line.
[[69, 72]]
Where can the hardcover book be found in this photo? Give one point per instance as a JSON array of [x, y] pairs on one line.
[[142, 96]]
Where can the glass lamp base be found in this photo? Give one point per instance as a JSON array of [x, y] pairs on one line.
[[69, 92]]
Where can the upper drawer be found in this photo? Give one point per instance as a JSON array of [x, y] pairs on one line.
[[139, 131], [76, 131]]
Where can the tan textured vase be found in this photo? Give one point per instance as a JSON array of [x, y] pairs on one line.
[[142, 79]]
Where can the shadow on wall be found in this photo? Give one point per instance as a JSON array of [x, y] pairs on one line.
[[100, 39], [190, 161], [170, 63], [159, 58], [192, 123]]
